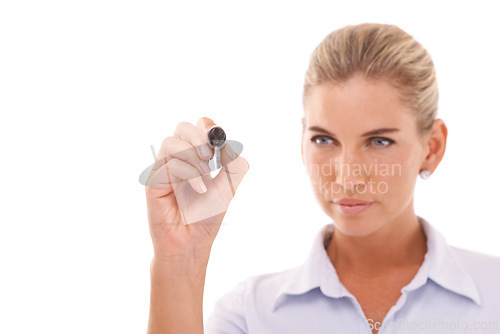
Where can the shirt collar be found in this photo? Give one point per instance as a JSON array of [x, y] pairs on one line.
[[440, 265]]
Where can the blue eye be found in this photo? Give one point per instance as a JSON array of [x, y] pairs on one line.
[[382, 140], [379, 142], [322, 140]]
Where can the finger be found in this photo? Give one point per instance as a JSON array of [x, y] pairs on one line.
[[196, 137], [181, 170], [175, 171], [160, 176], [158, 183], [205, 124], [230, 176], [228, 152], [173, 147]]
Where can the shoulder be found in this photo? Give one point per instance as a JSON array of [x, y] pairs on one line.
[[484, 270], [262, 285], [270, 282], [262, 290], [230, 312], [476, 261]]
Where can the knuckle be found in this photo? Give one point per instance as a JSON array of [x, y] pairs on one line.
[[181, 127], [172, 146], [173, 162], [168, 141]]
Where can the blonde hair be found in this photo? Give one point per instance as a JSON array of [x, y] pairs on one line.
[[379, 51]]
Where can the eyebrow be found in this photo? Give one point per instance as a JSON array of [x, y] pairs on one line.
[[369, 133]]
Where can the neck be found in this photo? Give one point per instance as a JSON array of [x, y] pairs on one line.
[[399, 243]]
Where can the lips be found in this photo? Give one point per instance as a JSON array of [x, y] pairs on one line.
[[352, 206], [352, 201]]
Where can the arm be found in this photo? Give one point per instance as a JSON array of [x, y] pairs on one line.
[[184, 223], [176, 303]]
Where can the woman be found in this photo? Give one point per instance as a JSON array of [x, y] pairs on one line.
[[369, 129]]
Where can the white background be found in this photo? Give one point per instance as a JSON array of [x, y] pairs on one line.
[[87, 86]]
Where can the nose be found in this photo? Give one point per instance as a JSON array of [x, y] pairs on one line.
[[351, 171]]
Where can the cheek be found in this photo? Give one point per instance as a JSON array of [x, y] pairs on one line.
[[319, 165], [396, 174], [387, 174], [321, 172]]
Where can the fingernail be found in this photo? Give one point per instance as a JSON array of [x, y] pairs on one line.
[[205, 151], [202, 187], [204, 167]]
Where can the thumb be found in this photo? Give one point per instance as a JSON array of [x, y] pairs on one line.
[[205, 124], [233, 171]]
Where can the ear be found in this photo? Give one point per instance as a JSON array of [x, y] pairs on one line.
[[302, 141], [436, 145]]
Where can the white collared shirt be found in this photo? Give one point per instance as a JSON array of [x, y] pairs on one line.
[[454, 291]]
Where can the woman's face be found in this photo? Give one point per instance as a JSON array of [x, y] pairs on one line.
[[345, 158]]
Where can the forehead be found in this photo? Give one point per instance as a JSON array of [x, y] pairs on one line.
[[357, 102]]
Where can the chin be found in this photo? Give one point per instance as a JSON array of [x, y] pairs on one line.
[[360, 225], [354, 228]]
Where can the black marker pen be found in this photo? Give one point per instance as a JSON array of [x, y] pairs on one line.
[[217, 139]]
